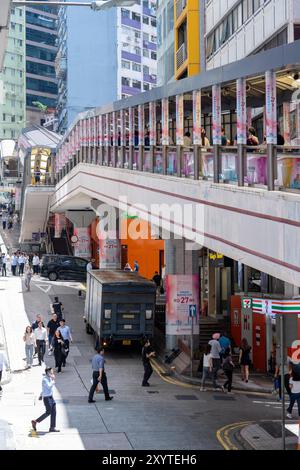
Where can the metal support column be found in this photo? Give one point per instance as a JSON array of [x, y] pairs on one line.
[[179, 160], [271, 162], [241, 163], [217, 161], [197, 155]]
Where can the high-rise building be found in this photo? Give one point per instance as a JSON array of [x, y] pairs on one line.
[[165, 41], [41, 50], [12, 78], [235, 29], [104, 56]]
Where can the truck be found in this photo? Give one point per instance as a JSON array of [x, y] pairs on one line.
[[119, 307]]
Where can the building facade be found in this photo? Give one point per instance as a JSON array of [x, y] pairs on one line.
[[165, 41], [12, 79], [113, 57], [41, 50], [238, 28]]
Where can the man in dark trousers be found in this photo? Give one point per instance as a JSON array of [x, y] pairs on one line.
[[99, 375], [147, 353], [49, 402], [58, 308]]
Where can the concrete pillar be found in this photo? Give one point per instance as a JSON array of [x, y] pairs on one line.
[[291, 291]]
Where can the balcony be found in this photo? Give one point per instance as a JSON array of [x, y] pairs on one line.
[[180, 6], [61, 67], [181, 56]]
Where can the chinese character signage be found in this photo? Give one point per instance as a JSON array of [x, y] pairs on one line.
[[197, 117], [100, 131], [216, 115], [179, 119], [83, 246], [131, 126], [110, 254], [152, 122], [241, 111], [165, 121], [182, 293], [271, 108], [141, 116], [123, 127]]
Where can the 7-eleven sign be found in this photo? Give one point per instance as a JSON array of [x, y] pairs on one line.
[[247, 303]]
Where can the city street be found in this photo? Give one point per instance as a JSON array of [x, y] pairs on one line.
[[163, 416]]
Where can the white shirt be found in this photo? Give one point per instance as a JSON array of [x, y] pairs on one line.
[[40, 333], [207, 360], [36, 261], [89, 267], [5, 259], [21, 260], [296, 386], [3, 361]]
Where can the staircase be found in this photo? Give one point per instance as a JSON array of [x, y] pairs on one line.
[[60, 246], [209, 326]]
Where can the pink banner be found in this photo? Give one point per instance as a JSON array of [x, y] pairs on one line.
[[152, 122], [216, 115], [241, 111], [286, 131], [165, 121], [141, 117], [107, 130], [82, 247], [182, 292], [100, 131], [110, 254], [179, 119], [115, 129], [123, 128], [131, 126], [197, 138], [271, 108]]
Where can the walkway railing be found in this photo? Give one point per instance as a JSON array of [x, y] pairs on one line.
[[246, 166]]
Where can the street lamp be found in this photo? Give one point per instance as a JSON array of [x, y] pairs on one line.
[[96, 5]]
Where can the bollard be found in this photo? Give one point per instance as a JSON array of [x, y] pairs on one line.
[[79, 293]]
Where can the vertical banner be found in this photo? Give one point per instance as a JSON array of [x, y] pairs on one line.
[[88, 132], [100, 131], [110, 254], [141, 118], [165, 121], [81, 132], [241, 111], [152, 122], [131, 126], [95, 127], [271, 108], [82, 247], [115, 129], [197, 138], [107, 130], [77, 141], [179, 119], [286, 131], [249, 117], [122, 128], [182, 297], [84, 132], [216, 115]]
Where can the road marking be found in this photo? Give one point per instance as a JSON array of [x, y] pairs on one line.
[[266, 402], [223, 434], [45, 289]]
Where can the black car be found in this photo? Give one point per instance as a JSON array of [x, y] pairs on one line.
[[63, 267]]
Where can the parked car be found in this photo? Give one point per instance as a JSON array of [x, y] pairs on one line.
[[63, 267]]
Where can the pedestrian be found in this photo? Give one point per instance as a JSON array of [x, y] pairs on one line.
[[157, 279], [30, 258], [38, 319], [36, 264], [287, 376], [136, 267], [48, 383], [244, 359], [3, 365], [225, 344], [89, 266], [216, 359], [4, 264], [187, 140], [10, 223], [147, 353], [67, 337], [41, 341], [30, 345], [28, 276], [4, 220], [58, 346], [228, 367], [99, 375], [127, 267], [21, 262], [252, 139], [37, 175], [58, 308], [295, 394], [207, 366], [14, 264], [52, 326]]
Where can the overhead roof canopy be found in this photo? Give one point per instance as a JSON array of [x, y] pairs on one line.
[[37, 136]]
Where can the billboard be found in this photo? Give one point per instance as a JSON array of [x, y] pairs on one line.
[[182, 292]]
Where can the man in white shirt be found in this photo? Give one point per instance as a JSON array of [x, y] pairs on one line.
[[3, 365], [89, 266], [36, 264], [41, 341], [21, 262], [4, 264]]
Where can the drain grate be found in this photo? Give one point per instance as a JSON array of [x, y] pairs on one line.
[[111, 392], [152, 391], [186, 397], [223, 398]]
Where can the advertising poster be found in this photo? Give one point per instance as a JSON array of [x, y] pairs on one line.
[[115, 129], [271, 108], [110, 254], [131, 127], [286, 128], [197, 117], [107, 130], [81, 133], [83, 246], [122, 128], [179, 119], [165, 121], [100, 131], [141, 117], [85, 133], [182, 292], [216, 115], [241, 111], [152, 122], [59, 224]]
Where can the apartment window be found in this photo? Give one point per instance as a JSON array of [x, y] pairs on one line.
[[145, 53], [136, 67], [153, 22], [136, 84], [137, 35], [146, 19], [4, 117], [136, 17], [13, 103], [146, 70], [125, 13], [296, 32], [125, 64], [13, 25], [12, 11], [13, 119], [153, 38], [20, 28], [137, 50], [12, 134], [153, 55], [146, 86], [125, 81], [146, 37], [20, 12]]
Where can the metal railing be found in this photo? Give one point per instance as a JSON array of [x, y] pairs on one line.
[[181, 55], [278, 169]]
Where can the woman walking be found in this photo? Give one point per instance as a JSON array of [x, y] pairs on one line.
[[30, 345], [58, 346], [228, 367], [207, 366], [28, 276], [244, 359]]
